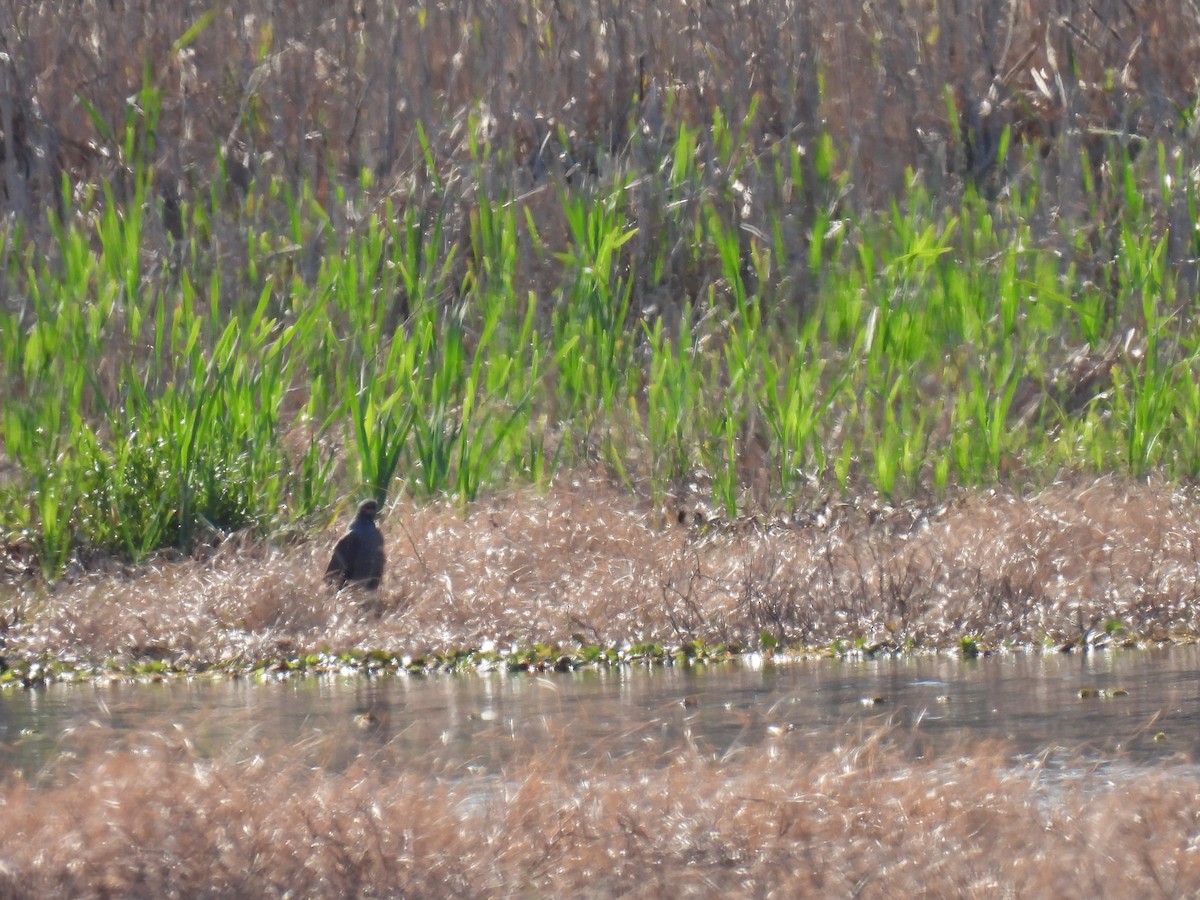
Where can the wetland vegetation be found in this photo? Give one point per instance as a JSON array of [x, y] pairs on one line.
[[255, 264], [662, 331]]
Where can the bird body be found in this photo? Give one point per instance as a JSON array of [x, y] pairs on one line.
[[358, 556]]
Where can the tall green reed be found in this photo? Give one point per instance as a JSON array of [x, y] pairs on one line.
[[154, 403]]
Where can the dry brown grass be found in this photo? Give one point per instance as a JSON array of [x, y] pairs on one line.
[[591, 562], [779, 820], [316, 93]]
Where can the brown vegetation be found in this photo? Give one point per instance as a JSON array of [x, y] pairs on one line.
[[861, 820], [317, 94], [306, 87], [1094, 561]]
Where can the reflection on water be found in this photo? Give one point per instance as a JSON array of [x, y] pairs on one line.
[[1140, 706]]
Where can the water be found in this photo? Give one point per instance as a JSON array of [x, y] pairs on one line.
[[1139, 707]]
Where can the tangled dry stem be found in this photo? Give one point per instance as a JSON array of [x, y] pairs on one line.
[[316, 95]]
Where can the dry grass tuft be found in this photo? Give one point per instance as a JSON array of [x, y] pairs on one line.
[[859, 819], [587, 562]]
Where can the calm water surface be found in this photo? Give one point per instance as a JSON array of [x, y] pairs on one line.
[[936, 706]]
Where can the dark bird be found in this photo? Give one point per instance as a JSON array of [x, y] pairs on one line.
[[358, 556]]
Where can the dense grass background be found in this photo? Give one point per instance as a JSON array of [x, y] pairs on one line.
[[255, 260]]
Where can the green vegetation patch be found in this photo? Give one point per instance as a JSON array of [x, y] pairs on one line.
[[713, 303]]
